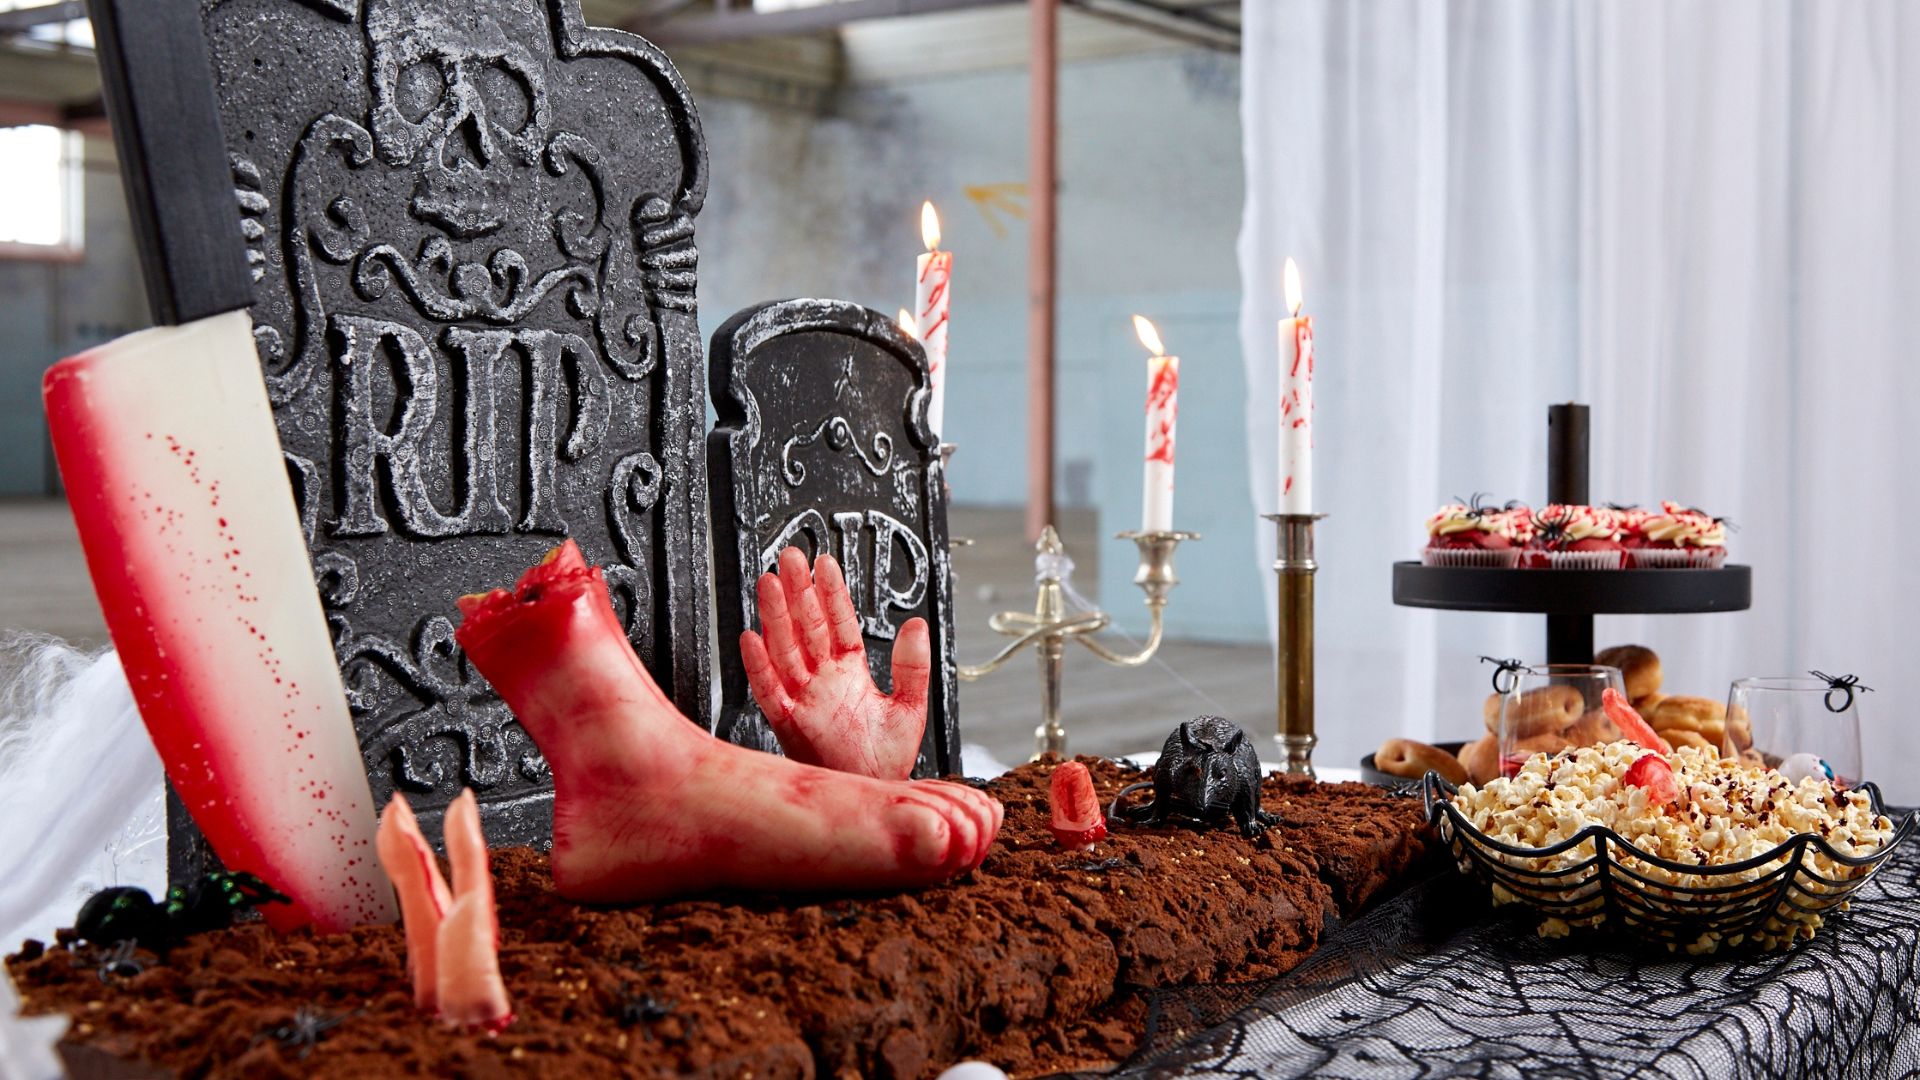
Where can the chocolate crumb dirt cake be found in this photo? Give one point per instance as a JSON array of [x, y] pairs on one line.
[[1034, 962]]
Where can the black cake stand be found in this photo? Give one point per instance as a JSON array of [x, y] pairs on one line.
[[1571, 598]]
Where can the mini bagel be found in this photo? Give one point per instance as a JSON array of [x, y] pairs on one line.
[[1639, 665], [1592, 730], [1740, 729], [1481, 759], [1647, 704], [1408, 758], [1548, 710], [1704, 716], [1679, 737], [1539, 744]]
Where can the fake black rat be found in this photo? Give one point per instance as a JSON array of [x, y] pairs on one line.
[[1207, 772]]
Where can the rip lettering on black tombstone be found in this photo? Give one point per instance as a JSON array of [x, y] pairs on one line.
[[470, 232]]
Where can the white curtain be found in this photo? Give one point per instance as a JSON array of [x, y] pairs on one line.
[[1698, 218]]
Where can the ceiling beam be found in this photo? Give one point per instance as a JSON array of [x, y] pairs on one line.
[[1193, 24], [736, 24], [21, 20]]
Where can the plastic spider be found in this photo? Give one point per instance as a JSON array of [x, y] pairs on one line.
[[308, 1026], [124, 913], [642, 1008], [119, 962]]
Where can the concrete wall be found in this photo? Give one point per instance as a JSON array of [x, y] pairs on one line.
[[52, 309], [1150, 192], [825, 202]]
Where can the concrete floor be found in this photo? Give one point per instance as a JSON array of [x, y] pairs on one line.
[[44, 589]]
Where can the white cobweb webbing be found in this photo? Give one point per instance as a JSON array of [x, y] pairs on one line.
[[81, 796]]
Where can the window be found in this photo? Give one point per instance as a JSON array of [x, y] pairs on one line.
[[40, 175], [47, 28]]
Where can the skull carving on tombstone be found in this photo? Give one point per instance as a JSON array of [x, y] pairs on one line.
[[460, 98], [470, 224]]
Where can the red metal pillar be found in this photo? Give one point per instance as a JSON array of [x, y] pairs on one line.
[[1042, 123]]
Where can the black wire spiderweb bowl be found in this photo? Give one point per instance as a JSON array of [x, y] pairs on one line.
[[1765, 902]]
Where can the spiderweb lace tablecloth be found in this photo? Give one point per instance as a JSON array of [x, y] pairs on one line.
[[1434, 985]]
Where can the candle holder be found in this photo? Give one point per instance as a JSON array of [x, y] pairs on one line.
[[1050, 626], [954, 543], [1294, 566]]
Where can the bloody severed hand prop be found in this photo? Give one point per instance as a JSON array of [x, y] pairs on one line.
[[453, 937], [649, 806], [809, 675]]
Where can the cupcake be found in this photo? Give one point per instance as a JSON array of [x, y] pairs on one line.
[[1519, 522], [1459, 534], [1681, 538], [1632, 521], [1576, 538]]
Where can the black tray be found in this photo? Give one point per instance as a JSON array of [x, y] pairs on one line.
[[1573, 592]]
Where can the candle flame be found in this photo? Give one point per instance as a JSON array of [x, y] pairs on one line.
[[907, 325], [930, 225], [1149, 336], [1292, 276]]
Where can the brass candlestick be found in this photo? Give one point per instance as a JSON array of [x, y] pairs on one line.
[[1294, 566], [1050, 626]]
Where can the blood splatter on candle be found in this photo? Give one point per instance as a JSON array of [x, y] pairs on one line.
[[1163, 412], [932, 294], [1296, 402]]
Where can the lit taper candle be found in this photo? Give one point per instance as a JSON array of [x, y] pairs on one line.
[[930, 303], [1296, 402], [1163, 411]]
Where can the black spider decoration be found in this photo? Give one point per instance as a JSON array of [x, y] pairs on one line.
[[1551, 532], [1478, 506], [119, 962], [308, 1026], [1725, 523], [642, 1009], [124, 913], [1100, 866]]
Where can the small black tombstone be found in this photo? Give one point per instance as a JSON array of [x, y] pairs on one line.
[[822, 441], [470, 231]]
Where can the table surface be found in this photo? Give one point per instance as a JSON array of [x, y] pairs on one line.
[[1434, 984]]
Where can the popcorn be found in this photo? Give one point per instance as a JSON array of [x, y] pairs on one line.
[[1727, 812]]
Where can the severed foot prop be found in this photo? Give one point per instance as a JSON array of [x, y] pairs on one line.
[[649, 806], [809, 675]]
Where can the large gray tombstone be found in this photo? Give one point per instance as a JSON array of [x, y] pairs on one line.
[[822, 441], [471, 229]]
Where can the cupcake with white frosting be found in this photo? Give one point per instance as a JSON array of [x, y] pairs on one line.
[[1679, 537], [1462, 535], [1569, 537]]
